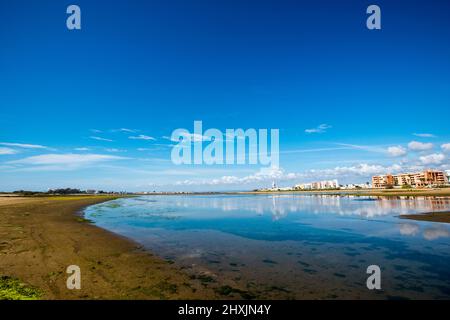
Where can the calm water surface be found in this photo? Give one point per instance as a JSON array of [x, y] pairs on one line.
[[292, 246]]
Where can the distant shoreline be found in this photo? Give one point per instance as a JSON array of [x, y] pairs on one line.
[[361, 192], [369, 192]]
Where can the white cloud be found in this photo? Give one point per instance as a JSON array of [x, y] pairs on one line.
[[266, 175], [396, 151], [363, 169], [435, 158], [23, 145], [82, 149], [4, 151], [65, 161], [424, 135], [100, 138], [446, 147], [141, 137], [319, 129], [419, 146], [115, 150]]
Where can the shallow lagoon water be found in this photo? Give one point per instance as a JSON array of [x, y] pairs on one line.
[[291, 245]]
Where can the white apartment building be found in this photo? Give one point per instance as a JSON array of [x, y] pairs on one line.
[[320, 185]]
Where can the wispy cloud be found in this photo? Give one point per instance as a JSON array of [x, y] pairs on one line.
[[115, 150], [100, 139], [70, 158], [23, 145], [322, 128], [126, 130], [419, 146], [141, 137], [315, 150], [424, 135], [376, 149], [63, 161], [192, 137], [5, 151], [82, 149]]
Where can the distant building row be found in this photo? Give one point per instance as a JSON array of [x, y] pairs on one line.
[[328, 184], [426, 178]]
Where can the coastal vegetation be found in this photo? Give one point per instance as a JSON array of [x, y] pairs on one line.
[[13, 289], [61, 191]]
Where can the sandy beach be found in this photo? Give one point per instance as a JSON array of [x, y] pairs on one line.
[[41, 237]]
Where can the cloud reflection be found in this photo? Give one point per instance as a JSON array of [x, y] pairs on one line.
[[409, 229], [436, 233]]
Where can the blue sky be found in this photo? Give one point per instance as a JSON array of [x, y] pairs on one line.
[[382, 97]]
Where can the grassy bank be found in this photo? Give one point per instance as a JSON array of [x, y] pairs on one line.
[[13, 289]]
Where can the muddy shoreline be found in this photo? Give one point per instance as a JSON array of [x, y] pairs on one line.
[[442, 217], [41, 237]]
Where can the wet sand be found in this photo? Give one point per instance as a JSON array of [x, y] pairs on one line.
[[40, 237], [443, 217]]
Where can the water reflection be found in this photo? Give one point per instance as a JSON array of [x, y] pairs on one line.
[[304, 245], [428, 233], [279, 206], [408, 229], [436, 233]]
